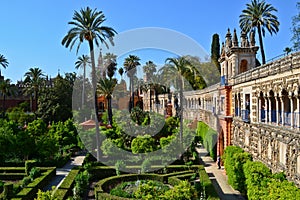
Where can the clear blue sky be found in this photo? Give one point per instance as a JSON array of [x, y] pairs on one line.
[[32, 30]]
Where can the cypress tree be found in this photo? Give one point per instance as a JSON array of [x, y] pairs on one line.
[[215, 51]]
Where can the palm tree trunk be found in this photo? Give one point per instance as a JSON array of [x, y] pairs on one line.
[[150, 100], [181, 108], [83, 88], [132, 85], [261, 45], [94, 83], [109, 110]]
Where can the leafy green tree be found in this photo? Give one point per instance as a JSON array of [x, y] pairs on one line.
[[106, 88], [215, 51], [3, 62], [87, 25], [6, 89], [296, 29], [143, 144], [82, 62], [259, 16], [37, 128], [34, 80], [180, 66], [130, 64], [56, 102], [65, 133]]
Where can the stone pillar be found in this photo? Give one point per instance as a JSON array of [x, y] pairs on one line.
[[298, 108], [258, 109], [266, 108], [282, 110], [277, 113], [292, 110], [269, 110]]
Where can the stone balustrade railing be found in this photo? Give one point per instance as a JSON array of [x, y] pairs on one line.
[[279, 66]]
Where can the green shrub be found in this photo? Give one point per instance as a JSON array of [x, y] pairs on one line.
[[206, 184], [120, 165], [143, 144], [151, 190], [1, 186], [29, 164], [182, 191], [234, 158], [65, 189], [81, 183], [34, 173], [146, 166], [8, 191], [25, 181], [123, 190]]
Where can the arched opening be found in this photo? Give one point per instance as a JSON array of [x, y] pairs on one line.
[[243, 66], [262, 107], [236, 103], [272, 108], [286, 108]]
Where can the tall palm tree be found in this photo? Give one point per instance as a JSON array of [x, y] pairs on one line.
[[149, 69], [3, 62], [105, 88], [130, 64], [181, 67], [258, 16], [87, 25], [6, 89], [82, 62], [33, 81], [110, 63]]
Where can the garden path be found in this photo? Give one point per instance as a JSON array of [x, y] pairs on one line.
[[61, 173], [218, 177]]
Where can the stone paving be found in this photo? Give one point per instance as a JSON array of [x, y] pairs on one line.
[[61, 173], [218, 177]]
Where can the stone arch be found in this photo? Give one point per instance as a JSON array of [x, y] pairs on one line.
[[272, 108], [263, 107], [286, 110], [243, 66]]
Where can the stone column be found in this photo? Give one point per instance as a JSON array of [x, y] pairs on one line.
[[258, 109], [292, 110], [266, 108], [269, 110], [298, 108], [282, 110], [277, 113]]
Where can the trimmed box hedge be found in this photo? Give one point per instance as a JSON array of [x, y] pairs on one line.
[[30, 191], [65, 189]]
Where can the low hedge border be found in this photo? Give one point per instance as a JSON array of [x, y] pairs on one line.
[[12, 170], [65, 189], [105, 185], [206, 182], [15, 173], [30, 191]]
